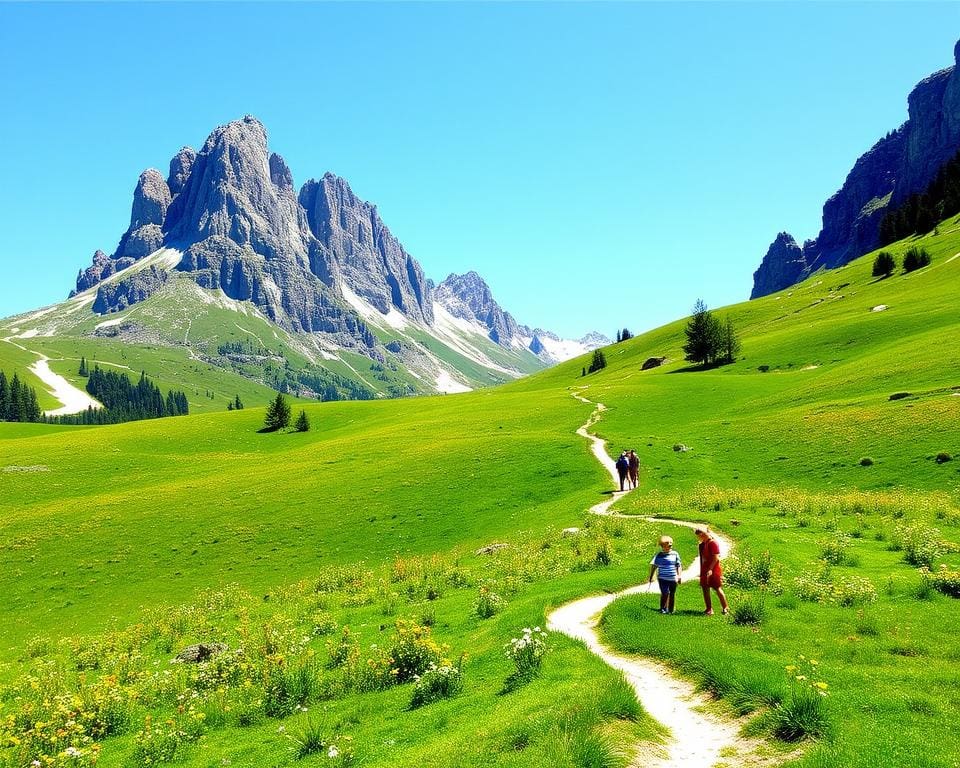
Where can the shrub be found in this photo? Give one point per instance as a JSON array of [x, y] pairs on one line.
[[414, 650], [884, 264], [763, 368], [339, 650], [750, 610], [803, 712], [747, 571], [866, 461], [290, 687], [835, 549], [946, 581], [821, 587], [915, 258], [603, 551], [313, 738], [488, 603], [527, 652], [943, 458], [437, 682], [924, 590], [921, 544], [900, 395]]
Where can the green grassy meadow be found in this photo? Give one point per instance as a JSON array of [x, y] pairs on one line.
[[134, 540]]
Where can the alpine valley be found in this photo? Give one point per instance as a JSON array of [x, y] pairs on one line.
[[229, 283]]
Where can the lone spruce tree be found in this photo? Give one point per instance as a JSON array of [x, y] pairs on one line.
[[703, 336], [278, 414]]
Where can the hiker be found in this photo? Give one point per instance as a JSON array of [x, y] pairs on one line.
[[711, 574], [633, 462], [669, 569], [623, 467]]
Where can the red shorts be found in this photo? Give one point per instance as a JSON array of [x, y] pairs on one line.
[[715, 581]]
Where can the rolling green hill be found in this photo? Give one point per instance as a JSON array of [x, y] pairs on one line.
[[377, 512]]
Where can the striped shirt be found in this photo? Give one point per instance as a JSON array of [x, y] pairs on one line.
[[669, 566]]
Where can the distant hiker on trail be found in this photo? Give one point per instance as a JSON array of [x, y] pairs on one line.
[[623, 468], [711, 574], [634, 465], [669, 569]]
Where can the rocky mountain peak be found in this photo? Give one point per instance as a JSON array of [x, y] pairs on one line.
[[782, 265], [151, 198], [180, 166], [279, 172], [469, 297]]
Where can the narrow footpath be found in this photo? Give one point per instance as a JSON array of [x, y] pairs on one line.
[[698, 740]]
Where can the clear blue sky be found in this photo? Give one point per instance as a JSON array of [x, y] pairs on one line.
[[601, 165]]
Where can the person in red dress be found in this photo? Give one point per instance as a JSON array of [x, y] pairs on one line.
[[711, 573]]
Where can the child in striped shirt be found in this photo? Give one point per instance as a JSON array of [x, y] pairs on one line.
[[669, 569]]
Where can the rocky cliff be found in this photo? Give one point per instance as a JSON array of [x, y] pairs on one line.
[[902, 163]]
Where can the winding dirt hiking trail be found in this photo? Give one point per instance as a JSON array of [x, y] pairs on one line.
[[698, 740], [73, 399]]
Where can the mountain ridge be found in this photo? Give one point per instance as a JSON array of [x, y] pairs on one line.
[[900, 164], [320, 263]]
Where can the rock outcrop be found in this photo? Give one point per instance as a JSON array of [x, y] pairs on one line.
[[180, 167], [783, 265], [468, 297], [901, 164], [369, 258], [115, 297]]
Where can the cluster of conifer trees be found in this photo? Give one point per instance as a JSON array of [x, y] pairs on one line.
[[125, 401], [918, 214], [18, 401], [710, 341]]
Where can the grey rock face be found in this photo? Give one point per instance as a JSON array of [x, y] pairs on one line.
[[782, 265], [180, 167], [230, 193], [370, 259], [468, 297], [101, 268], [115, 297], [899, 165], [151, 198]]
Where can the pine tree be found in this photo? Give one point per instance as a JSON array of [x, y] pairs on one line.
[[729, 342], [703, 336], [15, 400], [237, 404], [303, 423], [230, 405], [83, 367], [618, 336], [583, 371], [4, 396], [625, 334], [278, 414], [598, 362]]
